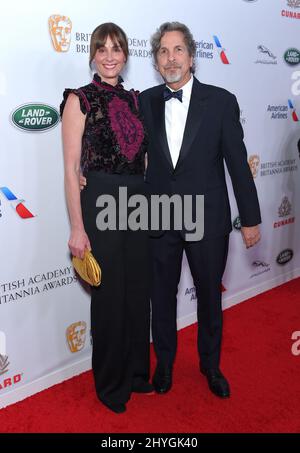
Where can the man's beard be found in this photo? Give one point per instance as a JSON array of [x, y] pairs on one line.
[[173, 77]]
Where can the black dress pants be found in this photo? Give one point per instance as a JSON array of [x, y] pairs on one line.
[[120, 306], [207, 260]]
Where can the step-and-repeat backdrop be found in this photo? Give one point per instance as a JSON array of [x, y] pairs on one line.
[[248, 47]]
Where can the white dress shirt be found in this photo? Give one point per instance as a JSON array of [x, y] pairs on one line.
[[175, 119]]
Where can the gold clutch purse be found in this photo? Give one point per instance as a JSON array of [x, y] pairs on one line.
[[88, 268]]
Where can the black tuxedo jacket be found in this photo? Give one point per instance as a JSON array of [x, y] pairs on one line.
[[212, 133]]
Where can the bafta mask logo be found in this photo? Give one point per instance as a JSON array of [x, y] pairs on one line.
[[60, 28], [76, 334], [253, 162]]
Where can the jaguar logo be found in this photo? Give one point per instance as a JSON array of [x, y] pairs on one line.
[[258, 263], [264, 49]]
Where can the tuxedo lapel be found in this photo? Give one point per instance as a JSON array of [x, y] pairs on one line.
[[196, 113], [158, 114]]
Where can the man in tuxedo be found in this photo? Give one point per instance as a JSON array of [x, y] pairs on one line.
[[193, 128]]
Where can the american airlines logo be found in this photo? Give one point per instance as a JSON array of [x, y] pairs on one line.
[[16, 203]]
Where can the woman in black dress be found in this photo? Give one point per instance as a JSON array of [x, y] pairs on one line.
[[105, 139]]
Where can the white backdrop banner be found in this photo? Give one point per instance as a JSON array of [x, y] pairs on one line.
[[249, 47]]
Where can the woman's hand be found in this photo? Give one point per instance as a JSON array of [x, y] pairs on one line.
[[82, 181], [78, 242]]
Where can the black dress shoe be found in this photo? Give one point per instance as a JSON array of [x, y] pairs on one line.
[[162, 379], [217, 383], [118, 408]]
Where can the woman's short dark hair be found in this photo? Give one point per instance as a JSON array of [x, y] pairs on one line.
[[173, 26], [100, 35]]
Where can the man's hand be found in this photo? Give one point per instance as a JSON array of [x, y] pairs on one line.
[[251, 235], [82, 182]]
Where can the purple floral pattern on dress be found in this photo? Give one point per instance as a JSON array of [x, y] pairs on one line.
[[127, 127]]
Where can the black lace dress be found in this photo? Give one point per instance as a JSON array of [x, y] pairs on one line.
[[113, 149]]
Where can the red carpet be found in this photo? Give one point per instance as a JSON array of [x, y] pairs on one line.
[[257, 359]]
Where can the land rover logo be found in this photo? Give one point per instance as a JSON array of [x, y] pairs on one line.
[[285, 256], [35, 117], [292, 56], [237, 224]]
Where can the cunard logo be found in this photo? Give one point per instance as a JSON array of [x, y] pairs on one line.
[[3, 364], [10, 381], [3, 357], [292, 14], [285, 208], [293, 3]]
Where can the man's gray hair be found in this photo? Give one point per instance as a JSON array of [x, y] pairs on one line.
[[173, 26]]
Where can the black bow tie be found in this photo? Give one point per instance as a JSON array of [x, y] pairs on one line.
[[168, 94]]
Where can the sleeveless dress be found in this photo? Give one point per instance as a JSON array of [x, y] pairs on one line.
[[114, 143]]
